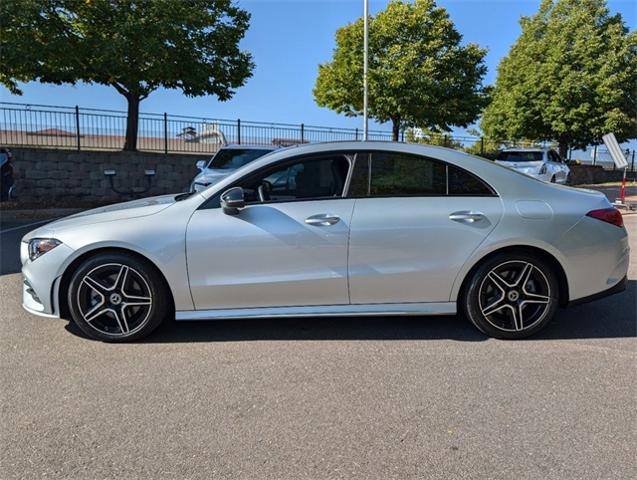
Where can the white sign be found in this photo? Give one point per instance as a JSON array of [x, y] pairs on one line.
[[615, 150]]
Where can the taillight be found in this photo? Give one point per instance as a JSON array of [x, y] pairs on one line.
[[608, 215]]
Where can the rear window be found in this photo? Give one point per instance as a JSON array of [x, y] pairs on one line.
[[520, 156], [233, 158]]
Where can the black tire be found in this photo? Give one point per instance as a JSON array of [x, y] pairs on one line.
[[502, 308], [553, 179], [118, 297]]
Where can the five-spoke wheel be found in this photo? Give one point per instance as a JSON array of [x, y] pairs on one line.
[[115, 296], [511, 296]]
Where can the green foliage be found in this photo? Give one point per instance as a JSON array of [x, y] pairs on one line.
[[135, 46], [430, 137], [419, 73], [570, 77]]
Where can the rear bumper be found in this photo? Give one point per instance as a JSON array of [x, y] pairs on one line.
[[617, 288]]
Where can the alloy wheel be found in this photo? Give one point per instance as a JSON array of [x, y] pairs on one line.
[[514, 296], [114, 299]]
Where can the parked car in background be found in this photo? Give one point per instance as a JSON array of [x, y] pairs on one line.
[[541, 163], [224, 162], [342, 228], [7, 183]]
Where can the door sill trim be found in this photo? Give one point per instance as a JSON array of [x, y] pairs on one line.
[[438, 308]]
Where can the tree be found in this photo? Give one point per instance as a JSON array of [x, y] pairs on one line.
[[135, 46], [419, 73], [570, 77], [423, 135]]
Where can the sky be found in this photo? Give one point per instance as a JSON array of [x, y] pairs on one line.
[[288, 40]]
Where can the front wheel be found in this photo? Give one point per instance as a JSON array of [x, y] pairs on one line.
[[511, 296], [117, 297]]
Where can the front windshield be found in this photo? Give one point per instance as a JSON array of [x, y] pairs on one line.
[[233, 158], [520, 156]]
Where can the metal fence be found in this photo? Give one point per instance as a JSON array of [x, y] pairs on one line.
[[78, 128], [92, 129]]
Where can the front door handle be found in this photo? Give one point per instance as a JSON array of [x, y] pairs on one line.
[[322, 220], [466, 216]]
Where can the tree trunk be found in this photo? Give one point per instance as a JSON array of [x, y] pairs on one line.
[[395, 128], [563, 147], [132, 122]]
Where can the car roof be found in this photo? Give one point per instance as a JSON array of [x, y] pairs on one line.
[[235, 146], [455, 157]]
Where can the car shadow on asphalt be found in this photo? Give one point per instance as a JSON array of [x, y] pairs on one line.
[[612, 317]]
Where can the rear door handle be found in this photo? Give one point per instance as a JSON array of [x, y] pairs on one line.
[[322, 220], [466, 216]]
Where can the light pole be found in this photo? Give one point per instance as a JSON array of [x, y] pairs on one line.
[[365, 47]]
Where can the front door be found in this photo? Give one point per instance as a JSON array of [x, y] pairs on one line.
[[287, 247]]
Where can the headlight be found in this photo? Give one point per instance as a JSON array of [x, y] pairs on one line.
[[542, 169], [39, 246]]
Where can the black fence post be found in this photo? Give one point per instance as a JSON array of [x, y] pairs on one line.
[[77, 126], [356, 134], [239, 131], [481, 145], [165, 132], [402, 135], [632, 163], [302, 133]]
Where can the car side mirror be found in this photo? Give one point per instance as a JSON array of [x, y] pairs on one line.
[[232, 201], [201, 164]]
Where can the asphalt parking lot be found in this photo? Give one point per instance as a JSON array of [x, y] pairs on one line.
[[377, 398]]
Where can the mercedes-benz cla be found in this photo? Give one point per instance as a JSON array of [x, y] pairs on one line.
[[356, 228]]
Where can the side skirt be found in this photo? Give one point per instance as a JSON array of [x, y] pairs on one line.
[[443, 308]]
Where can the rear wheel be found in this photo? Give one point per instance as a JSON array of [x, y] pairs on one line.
[[511, 296], [553, 179], [117, 297]]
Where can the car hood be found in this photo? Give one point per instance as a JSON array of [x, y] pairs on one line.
[[118, 211]]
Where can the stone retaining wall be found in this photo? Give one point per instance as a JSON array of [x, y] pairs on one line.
[[64, 177], [71, 178], [590, 175]]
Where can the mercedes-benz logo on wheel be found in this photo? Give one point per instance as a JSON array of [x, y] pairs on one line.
[[513, 296], [115, 298]]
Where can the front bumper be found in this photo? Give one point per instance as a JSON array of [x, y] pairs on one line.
[[40, 280]]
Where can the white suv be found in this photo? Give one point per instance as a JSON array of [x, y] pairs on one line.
[[224, 162], [541, 163]]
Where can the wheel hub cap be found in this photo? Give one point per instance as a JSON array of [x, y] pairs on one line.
[[513, 296], [115, 298]]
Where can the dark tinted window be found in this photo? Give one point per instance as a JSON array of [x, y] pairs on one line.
[[462, 182], [309, 178], [554, 157], [405, 175], [520, 156], [233, 158], [359, 185]]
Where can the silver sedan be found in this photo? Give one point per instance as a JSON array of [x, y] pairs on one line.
[[355, 228]]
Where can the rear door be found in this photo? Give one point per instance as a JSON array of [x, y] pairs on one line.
[[416, 220]]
